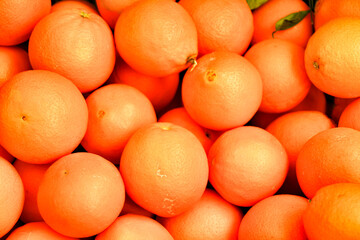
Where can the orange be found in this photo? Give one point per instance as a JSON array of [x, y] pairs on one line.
[[109, 16], [77, 44], [159, 90], [221, 24], [172, 163], [281, 66], [74, 4], [331, 58], [116, 111], [31, 176], [156, 37], [275, 217], [333, 213], [131, 207], [293, 130], [131, 226], [223, 91], [180, 117], [211, 218], [266, 16], [13, 60], [81, 194], [18, 19], [117, 5], [36, 231], [11, 197], [42, 112], [349, 117], [247, 164], [6, 155], [326, 10], [329, 157]]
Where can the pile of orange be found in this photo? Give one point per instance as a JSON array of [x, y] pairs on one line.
[[179, 120]]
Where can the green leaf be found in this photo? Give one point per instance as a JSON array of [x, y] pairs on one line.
[[254, 4], [290, 21]]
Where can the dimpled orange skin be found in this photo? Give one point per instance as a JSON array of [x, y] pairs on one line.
[[156, 37], [247, 164], [266, 16], [332, 56], [36, 231], [275, 217], [76, 44], [81, 194], [172, 163], [333, 213], [223, 91], [221, 24], [42, 112], [131, 226], [281, 66], [211, 218], [18, 19], [329, 157]]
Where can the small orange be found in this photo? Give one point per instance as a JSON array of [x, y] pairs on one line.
[[13, 60], [109, 16], [131, 226], [77, 44], [223, 91], [172, 163], [80, 195], [247, 164], [275, 217], [116, 111], [331, 156], [331, 58], [31, 176], [11, 197], [211, 218], [156, 37], [281, 66], [333, 213], [117, 5], [36, 231], [42, 112], [221, 24]]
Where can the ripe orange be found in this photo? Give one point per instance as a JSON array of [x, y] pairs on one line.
[[159, 90], [293, 130], [165, 169], [211, 218], [74, 4], [109, 16], [275, 217], [13, 60], [42, 112], [36, 231], [329, 157], [223, 91], [266, 16], [31, 176], [117, 5], [350, 116], [18, 18], [221, 24], [247, 164], [281, 66], [131, 226], [81, 194], [11, 197], [180, 117], [156, 37], [76, 44], [116, 111], [333, 213], [331, 57], [326, 10]]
